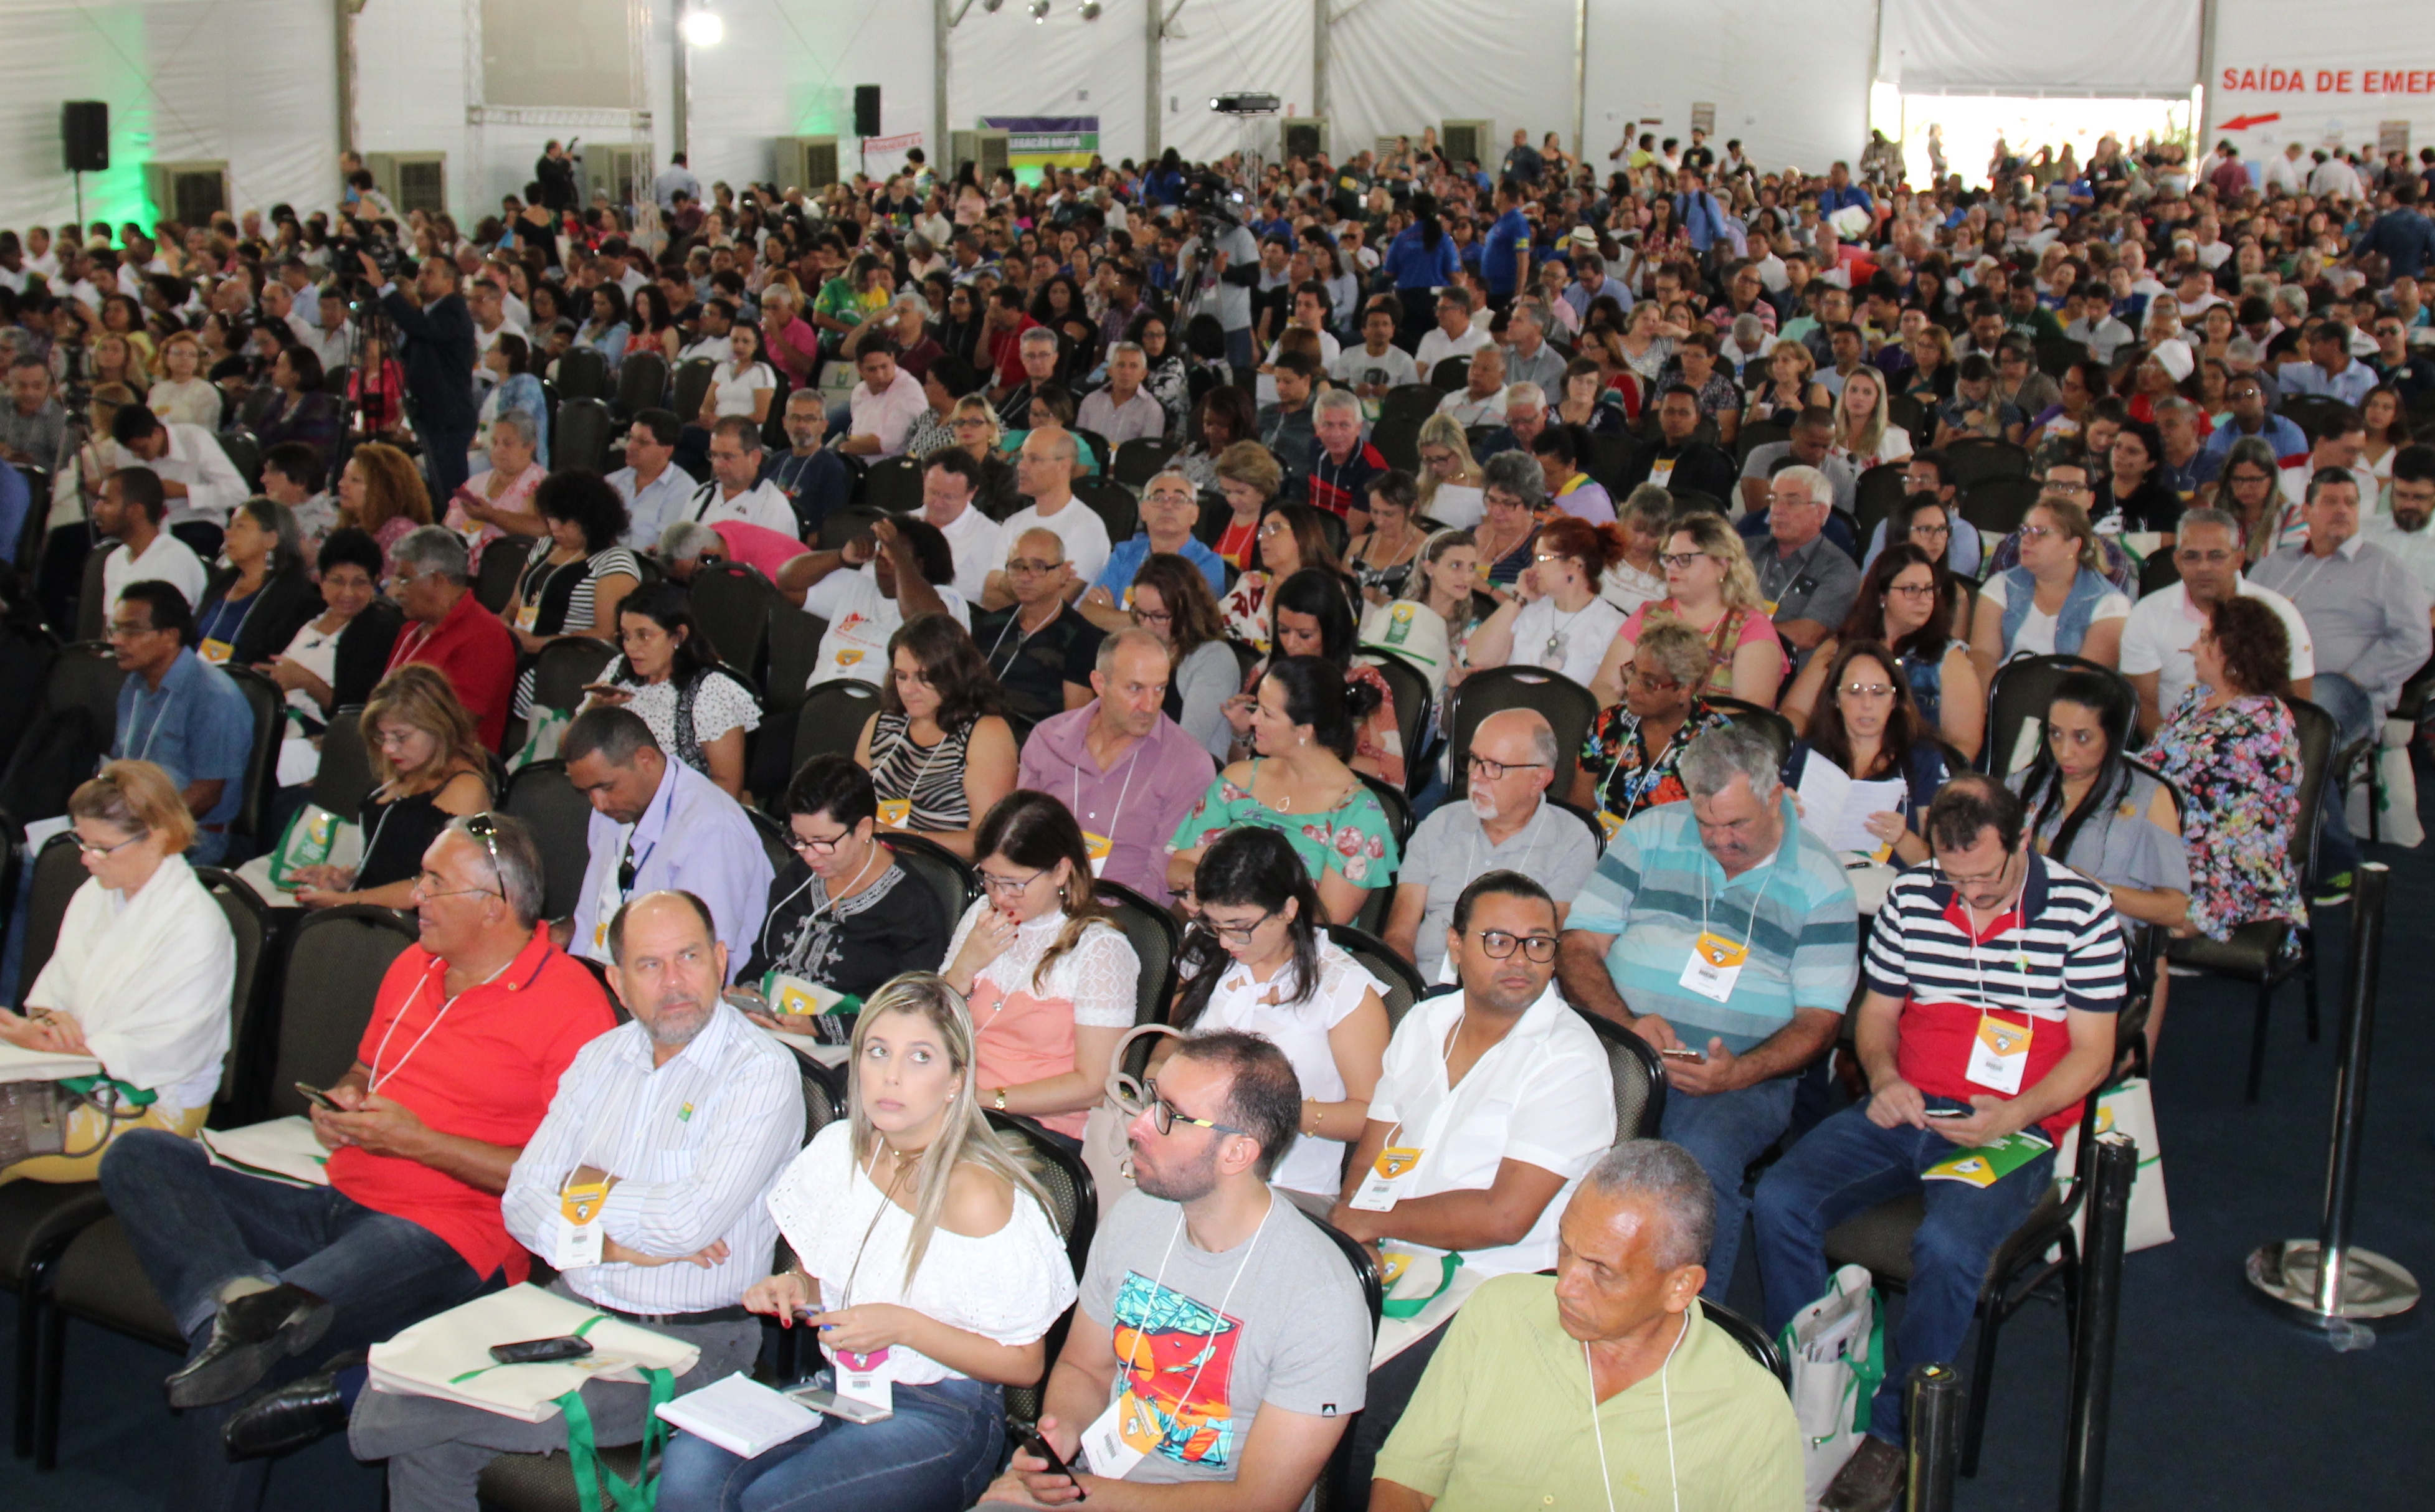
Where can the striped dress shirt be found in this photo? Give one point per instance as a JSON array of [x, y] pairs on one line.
[[695, 1144]]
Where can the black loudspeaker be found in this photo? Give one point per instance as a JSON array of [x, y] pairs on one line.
[[84, 133], [866, 109]]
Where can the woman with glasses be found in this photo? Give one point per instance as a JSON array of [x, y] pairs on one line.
[[1628, 762], [1710, 586], [2053, 430], [939, 750], [1052, 981], [1172, 601], [1453, 488], [1291, 539], [1298, 781], [1257, 960], [975, 426], [140, 977], [1311, 617], [1792, 386], [668, 673], [842, 915], [1870, 729], [1516, 491], [926, 1253], [1248, 479], [1556, 618], [2250, 489], [1381, 560], [1908, 603], [334, 661], [2056, 602], [427, 754]]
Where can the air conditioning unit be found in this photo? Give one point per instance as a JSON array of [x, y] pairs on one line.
[[1305, 136], [806, 162], [984, 149], [412, 180], [621, 170], [187, 193], [1469, 140]]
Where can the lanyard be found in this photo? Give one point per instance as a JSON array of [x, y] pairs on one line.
[[1641, 784], [1122, 792], [373, 1082], [1755, 899], [1158, 1283], [168, 698], [885, 1202], [253, 601], [1665, 1392]]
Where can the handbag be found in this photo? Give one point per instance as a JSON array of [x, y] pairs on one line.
[[2130, 1110], [544, 730], [1105, 1150], [591, 1477], [1836, 1348], [34, 1114]]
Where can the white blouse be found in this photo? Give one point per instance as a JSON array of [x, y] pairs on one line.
[[1008, 1286], [1573, 645], [1301, 1030], [720, 706], [1458, 506], [732, 391], [149, 979], [316, 653], [1098, 976]]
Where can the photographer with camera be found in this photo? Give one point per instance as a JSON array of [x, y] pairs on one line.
[[438, 350], [1220, 268]]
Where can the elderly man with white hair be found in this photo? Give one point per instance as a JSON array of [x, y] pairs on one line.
[[1124, 412], [1528, 358], [1038, 350], [1506, 825], [1481, 401], [1526, 418], [1808, 578]]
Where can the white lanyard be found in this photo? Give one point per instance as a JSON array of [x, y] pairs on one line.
[[1666, 1394], [1445, 1072], [373, 1082], [1158, 1283], [1122, 792], [1755, 899], [158, 714]]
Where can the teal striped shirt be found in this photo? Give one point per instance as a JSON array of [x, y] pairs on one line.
[[1794, 912]]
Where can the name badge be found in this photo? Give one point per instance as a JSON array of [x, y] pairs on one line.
[[579, 1235], [1715, 964], [864, 1378], [1610, 823], [1659, 471], [527, 616], [1099, 848], [1378, 1189], [216, 652], [894, 812], [1999, 1056], [1120, 1437]]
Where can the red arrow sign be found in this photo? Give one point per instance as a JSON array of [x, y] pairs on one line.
[[2242, 122]]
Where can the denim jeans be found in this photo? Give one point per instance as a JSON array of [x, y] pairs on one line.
[[2353, 720], [446, 453], [197, 1226], [936, 1454], [1847, 1165], [1725, 1132]]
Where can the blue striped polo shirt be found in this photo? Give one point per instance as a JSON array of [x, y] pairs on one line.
[[1794, 911]]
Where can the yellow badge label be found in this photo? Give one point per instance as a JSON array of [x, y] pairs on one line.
[[1719, 952], [1395, 1162], [580, 1204], [2003, 1039]]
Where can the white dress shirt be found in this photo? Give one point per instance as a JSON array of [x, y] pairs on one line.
[[166, 561], [979, 546], [761, 505], [214, 485], [693, 1145], [652, 508], [2163, 627]]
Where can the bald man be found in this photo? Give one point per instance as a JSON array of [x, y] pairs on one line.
[[1044, 471], [1040, 647]]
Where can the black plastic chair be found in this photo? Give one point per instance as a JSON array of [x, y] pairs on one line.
[[1140, 459], [2023, 690], [503, 566], [344, 778], [244, 452], [1875, 497], [87, 676], [1751, 1338], [1398, 439], [268, 706], [583, 373], [1996, 506], [1639, 1079], [1157, 941], [1416, 402], [52, 878], [1400, 986], [949, 876], [1777, 728], [1113, 503], [893, 484], [735, 606], [642, 384], [1333, 1489], [694, 378], [583, 434], [1589, 821], [565, 667], [1409, 687], [856, 519], [1450, 375], [1976, 457], [1565, 704], [1074, 1208], [561, 821], [832, 717]]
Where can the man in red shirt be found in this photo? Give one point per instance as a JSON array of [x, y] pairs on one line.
[[468, 1037], [1007, 321], [448, 629]]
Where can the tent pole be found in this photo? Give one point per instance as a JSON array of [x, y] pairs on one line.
[[342, 17], [1319, 50], [1580, 76], [1153, 77], [942, 160]]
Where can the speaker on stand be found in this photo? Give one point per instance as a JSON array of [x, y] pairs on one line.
[[866, 119], [84, 143]]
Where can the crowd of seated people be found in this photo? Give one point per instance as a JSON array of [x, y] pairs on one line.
[[1198, 543]]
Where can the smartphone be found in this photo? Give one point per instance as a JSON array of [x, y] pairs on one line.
[[541, 1351], [820, 1398], [1952, 1112], [1035, 1444], [317, 1098], [1683, 1055]]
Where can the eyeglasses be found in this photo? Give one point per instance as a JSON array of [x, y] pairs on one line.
[[485, 828], [1166, 1115], [2197, 557], [1025, 567], [818, 845], [1493, 771], [1869, 690], [2038, 532], [2066, 489], [1913, 590], [1939, 532], [1678, 560], [95, 852], [1148, 616], [1499, 945], [1236, 934], [1009, 887]]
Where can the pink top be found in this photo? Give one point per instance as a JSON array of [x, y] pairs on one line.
[[758, 547], [1733, 629], [517, 498]]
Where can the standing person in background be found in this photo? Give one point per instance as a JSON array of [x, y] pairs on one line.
[[439, 357]]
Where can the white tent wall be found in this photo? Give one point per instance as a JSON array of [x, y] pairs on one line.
[[1788, 78], [1007, 64], [789, 67], [2352, 65], [184, 84], [2093, 47], [1229, 46], [411, 89], [1395, 66]]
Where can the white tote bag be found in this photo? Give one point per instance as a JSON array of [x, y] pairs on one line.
[[1836, 1348], [2129, 1110]]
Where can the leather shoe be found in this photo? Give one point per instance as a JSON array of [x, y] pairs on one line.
[[292, 1417], [1870, 1481], [248, 1336]]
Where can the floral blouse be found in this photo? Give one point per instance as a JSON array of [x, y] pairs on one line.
[[1629, 780], [2240, 767], [1352, 839]]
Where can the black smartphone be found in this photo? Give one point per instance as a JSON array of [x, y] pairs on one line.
[[541, 1351], [1033, 1442], [317, 1098]]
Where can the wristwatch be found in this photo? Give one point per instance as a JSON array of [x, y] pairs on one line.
[[998, 1102]]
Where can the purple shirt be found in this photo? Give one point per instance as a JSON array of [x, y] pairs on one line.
[[1136, 806]]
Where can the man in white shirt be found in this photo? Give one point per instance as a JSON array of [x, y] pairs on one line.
[[130, 511], [1456, 334], [885, 404], [1309, 313], [687, 1084], [198, 477], [1482, 402], [950, 481], [656, 490], [2340, 435], [2403, 532], [1124, 412], [1044, 469], [718, 324], [1528, 359], [490, 306], [733, 492], [1491, 1104], [2334, 177], [2287, 174], [869, 587], [2163, 626], [1377, 365]]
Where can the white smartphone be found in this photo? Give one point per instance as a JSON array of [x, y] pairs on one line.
[[1951, 1112], [820, 1398]]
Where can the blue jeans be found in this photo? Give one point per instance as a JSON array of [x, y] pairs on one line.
[[1241, 354], [936, 1454], [1725, 1132], [197, 1226], [445, 453], [2355, 720], [1847, 1165]]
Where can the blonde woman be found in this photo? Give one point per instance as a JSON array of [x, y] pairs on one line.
[[428, 753], [926, 1253], [1711, 586], [141, 977], [1862, 434], [180, 394], [975, 426], [2056, 602], [1791, 384], [1454, 492]]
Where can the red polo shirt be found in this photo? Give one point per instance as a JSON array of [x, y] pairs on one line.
[[475, 652], [481, 1067]]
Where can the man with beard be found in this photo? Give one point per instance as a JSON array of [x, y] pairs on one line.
[[2403, 532], [1507, 825], [1491, 1104], [688, 1091], [1219, 1336]]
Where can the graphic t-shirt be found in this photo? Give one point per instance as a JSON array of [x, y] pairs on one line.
[[1201, 1351]]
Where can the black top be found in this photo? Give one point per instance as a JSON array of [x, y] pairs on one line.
[[1034, 668], [2149, 507], [395, 836], [438, 353], [894, 925], [260, 626], [1699, 468], [364, 646]]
